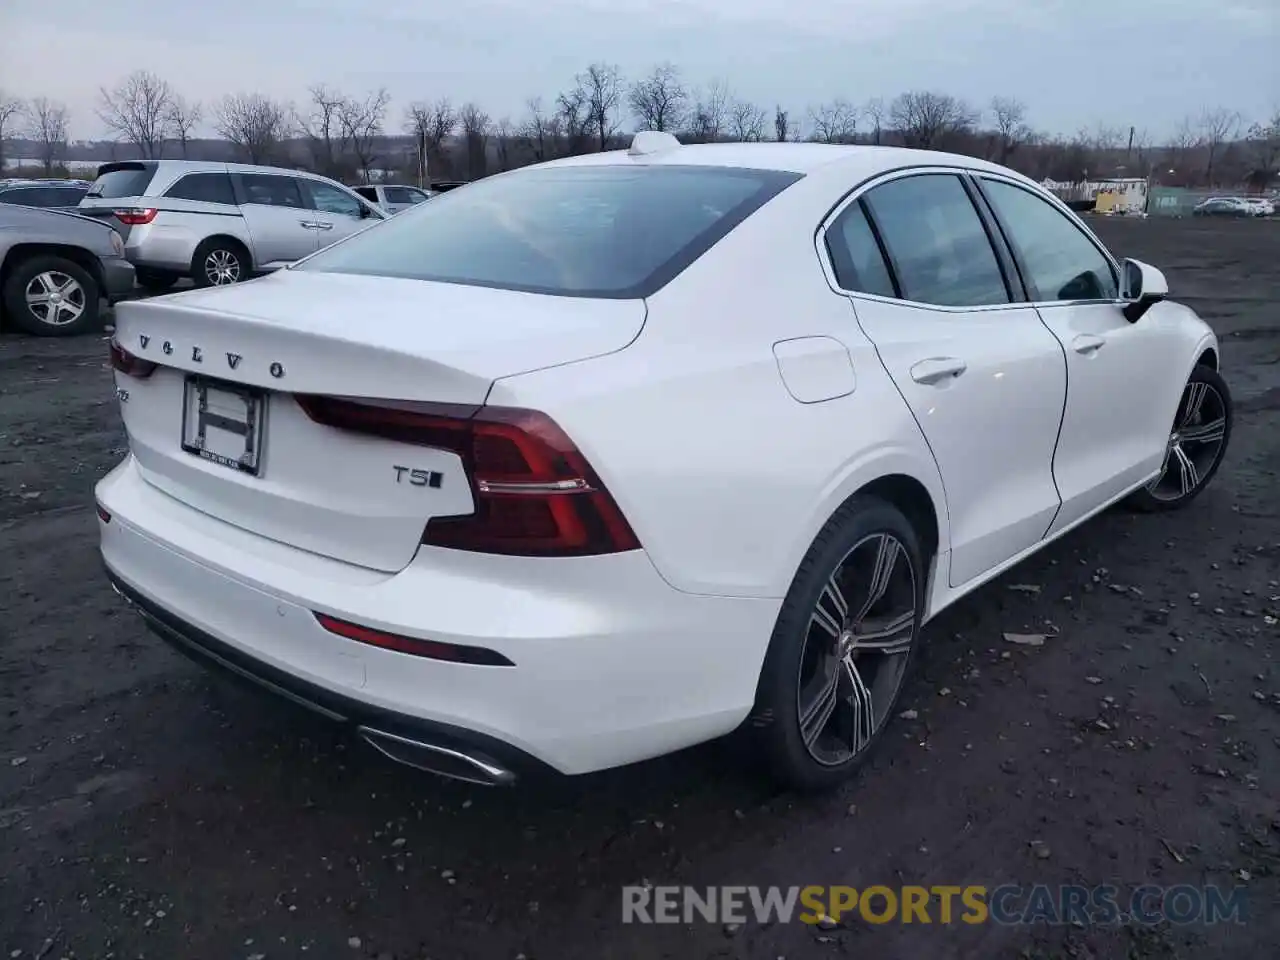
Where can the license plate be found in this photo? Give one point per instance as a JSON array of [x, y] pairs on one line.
[[223, 422]]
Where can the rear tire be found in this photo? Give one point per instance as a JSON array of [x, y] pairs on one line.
[[844, 644], [49, 296], [1197, 444], [218, 263], [157, 280]]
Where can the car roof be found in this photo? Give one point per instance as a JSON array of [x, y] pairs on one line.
[[802, 158]]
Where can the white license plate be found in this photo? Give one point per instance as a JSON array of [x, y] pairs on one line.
[[223, 422]]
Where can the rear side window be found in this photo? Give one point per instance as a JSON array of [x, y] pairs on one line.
[[122, 180], [859, 265], [205, 187], [25, 196], [940, 250], [271, 190], [584, 231]]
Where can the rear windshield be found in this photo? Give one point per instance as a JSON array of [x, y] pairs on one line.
[[122, 180], [581, 231]]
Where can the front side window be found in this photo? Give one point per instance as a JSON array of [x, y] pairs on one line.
[[940, 250], [271, 190], [205, 187], [587, 231], [404, 195], [1059, 261], [332, 200]]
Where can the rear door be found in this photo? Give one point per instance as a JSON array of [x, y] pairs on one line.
[[278, 216], [1119, 408], [984, 379], [338, 212]]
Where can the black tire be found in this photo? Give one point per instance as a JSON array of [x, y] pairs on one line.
[[218, 251], [799, 639], [1191, 433], [157, 280], [78, 289]]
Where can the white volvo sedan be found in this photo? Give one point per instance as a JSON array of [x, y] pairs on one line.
[[604, 457]]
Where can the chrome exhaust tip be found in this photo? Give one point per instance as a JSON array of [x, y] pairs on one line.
[[449, 762]]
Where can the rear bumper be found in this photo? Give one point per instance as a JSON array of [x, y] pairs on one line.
[[117, 279], [612, 665]]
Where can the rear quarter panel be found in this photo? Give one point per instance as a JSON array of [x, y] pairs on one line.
[[725, 477]]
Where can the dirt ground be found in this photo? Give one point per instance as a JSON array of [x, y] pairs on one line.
[[148, 811]]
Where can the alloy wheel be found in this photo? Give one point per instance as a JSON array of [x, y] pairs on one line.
[[856, 648], [222, 267], [55, 298], [1194, 446]]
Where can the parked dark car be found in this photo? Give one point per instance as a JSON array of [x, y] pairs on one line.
[[65, 194], [440, 186], [56, 268]]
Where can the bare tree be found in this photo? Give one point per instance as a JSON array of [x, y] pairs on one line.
[[926, 119], [361, 122], [321, 124], [1218, 126], [783, 129], [1011, 128], [12, 109], [660, 100], [183, 118], [574, 115], [256, 124], [432, 124], [541, 131], [1264, 147], [746, 121], [47, 126], [475, 131], [710, 113], [138, 110], [875, 111], [503, 136], [834, 122], [601, 85]]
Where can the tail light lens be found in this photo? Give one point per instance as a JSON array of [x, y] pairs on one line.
[[128, 364], [135, 216], [535, 493]]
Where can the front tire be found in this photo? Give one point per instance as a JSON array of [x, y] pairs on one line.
[[844, 643], [1196, 446], [219, 263], [52, 297]]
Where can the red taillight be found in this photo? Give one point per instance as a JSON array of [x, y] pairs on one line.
[[103, 514], [135, 216], [127, 363], [430, 649], [535, 494]]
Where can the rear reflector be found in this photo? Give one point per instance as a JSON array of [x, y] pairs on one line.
[[535, 493], [135, 216], [128, 364], [430, 649], [103, 514]]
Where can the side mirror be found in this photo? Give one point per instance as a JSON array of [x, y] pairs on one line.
[[1141, 287]]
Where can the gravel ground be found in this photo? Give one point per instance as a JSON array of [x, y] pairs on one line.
[[148, 811]]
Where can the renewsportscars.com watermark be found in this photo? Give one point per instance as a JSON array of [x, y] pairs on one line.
[[1007, 905]]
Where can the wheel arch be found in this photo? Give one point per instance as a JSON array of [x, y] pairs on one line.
[[20, 252], [230, 239]]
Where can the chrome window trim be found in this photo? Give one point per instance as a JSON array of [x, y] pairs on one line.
[[828, 268]]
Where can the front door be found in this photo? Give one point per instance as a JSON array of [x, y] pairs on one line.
[[984, 378], [338, 213], [280, 221], [1119, 408]]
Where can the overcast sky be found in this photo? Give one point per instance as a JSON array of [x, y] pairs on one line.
[[1075, 63]]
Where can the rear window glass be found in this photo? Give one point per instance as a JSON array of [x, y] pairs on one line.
[[130, 181], [584, 231]]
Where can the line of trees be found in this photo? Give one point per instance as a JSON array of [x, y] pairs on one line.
[[354, 136]]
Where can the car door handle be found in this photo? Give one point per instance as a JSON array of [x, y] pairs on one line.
[[310, 225], [1087, 343], [937, 369], [324, 226]]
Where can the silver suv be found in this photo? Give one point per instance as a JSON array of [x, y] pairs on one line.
[[220, 223]]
